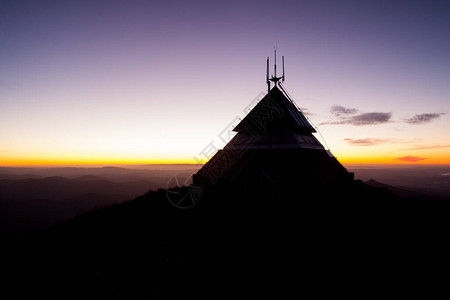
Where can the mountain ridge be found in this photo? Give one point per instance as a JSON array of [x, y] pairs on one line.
[[27, 204], [396, 190], [146, 247]]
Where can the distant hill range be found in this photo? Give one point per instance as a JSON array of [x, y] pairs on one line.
[[36, 198], [429, 180], [36, 203], [400, 192]]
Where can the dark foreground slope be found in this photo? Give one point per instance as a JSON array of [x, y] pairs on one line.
[[32, 204], [326, 239]]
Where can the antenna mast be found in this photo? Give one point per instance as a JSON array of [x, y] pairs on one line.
[[274, 78], [267, 75], [275, 64]]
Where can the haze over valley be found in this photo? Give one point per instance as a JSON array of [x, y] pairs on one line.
[[37, 198]]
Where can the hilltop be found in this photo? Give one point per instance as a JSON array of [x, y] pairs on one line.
[[227, 245]]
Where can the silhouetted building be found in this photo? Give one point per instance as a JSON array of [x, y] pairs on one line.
[[274, 146]]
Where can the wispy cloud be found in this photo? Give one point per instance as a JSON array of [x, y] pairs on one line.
[[306, 111], [423, 118], [372, 118], [338, 110], [411, 158], [366, 141], [344, 115]]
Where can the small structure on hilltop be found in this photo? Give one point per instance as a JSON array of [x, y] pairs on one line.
[[274, 147]]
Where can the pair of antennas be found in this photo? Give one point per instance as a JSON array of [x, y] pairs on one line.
[[274, 77]]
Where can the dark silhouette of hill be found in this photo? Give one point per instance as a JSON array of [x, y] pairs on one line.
[[90, 178], [400, 192], [37, 203], [35, 198], [159, 174], [59, 187], [424, 179], [322, 238]]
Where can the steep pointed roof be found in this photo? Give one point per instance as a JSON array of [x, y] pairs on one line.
[[275, 113], [274, 145]]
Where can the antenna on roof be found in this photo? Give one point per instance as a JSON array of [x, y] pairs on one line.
[[274, 78], [267, 75], [275, 64]]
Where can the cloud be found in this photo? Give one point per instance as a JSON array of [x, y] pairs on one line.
[[373, 118], [411, 158], [370, 118], [423, 118], [366, 141], [338, 110], [306, 111]]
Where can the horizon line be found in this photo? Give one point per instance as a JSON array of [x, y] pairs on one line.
[[103, 165]]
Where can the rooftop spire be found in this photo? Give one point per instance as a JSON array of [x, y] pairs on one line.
[[274, 77]]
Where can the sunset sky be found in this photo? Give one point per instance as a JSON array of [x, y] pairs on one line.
[[106, 82]]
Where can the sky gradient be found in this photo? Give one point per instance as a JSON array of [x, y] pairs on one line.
[[108, 82]]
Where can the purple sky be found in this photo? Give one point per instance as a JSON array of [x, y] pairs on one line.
[[159, 80]]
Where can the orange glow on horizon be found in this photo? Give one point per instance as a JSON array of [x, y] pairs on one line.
[[393, 161], [37, 163], [90, 161], [399, 159], [94, 162]]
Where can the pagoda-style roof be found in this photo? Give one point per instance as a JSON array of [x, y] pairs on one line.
[[275, 113], [274, 146]]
